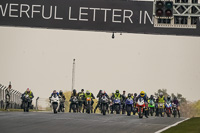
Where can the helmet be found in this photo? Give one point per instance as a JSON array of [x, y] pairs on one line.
[[82, 90], [28, 90], [135, 94], [168, 97], [142, 93], [100, 91], [175, 98], [74, 91], [161, 94], [129, 95], [117, 91], [87, 92], [103, 92], [61, 92], [54, 91], [151, 97]]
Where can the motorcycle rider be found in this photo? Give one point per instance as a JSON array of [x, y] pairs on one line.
[[74, 94], [152, 99], [160, 99], [116, 95], [176, 102], [99, 95], [81, 96], [169, 99], [134, 103], [123, 101], [145, 97], [54, 92], [61, 94], [88, 94], [135, 97], [30, 94]]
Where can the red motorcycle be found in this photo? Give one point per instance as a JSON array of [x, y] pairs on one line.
[[141, 107], [168, 107]]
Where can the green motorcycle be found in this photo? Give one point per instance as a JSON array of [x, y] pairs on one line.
[[151, 106]]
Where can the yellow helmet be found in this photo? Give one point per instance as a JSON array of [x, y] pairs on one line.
[[142, 93]]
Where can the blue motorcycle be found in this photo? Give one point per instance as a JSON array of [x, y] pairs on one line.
[[129, 106], [117, 105]]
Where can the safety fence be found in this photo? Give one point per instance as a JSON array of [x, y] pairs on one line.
[[10, 95]]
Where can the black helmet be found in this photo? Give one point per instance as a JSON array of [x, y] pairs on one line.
[[168, 97], [61, 92], [74, 91], [175, 98], [82, 90], [135, 94], [151, 97], [129, 95], [87, 92], [54, 91]]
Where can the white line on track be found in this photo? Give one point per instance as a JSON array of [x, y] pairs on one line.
[[171, 125]]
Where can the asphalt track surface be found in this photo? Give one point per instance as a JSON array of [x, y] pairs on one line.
[[47, 122]]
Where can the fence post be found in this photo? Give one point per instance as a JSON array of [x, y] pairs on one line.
[[37, 103], [4, 96]]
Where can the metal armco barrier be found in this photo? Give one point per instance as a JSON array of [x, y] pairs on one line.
[[14, 99]]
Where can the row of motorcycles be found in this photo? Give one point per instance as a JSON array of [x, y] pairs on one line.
[[138, 107], [117, 106]]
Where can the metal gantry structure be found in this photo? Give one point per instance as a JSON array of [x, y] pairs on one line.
[[178, 14]]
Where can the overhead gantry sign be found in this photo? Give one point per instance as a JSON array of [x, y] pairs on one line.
[[98, 15]]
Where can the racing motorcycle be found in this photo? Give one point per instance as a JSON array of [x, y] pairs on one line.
[[26, 103], [55, 103], [62, 105], [151, 106], [117, 105], [141, 107], [104, 105], [74, 103], [135, 110], [174, 110], [88, 105], [129, 106], [168, 108], [161, 107]]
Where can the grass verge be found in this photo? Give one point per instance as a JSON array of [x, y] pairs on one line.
[[190, 126]]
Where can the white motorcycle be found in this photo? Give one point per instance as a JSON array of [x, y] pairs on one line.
[[55, 103]]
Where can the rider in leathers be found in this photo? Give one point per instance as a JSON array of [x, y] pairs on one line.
[[99, 95], [74, 94], [144, 96]]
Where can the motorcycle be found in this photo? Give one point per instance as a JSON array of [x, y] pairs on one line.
[[80, 101], [88, 105], [151, 106], [104, 105], [168, 108], [62, 107], [55, 103], [161, 107], [74, 103], [117, 105], [26, 103], [141, 107], [135, 110], [174, 110], [129, 106]]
